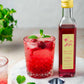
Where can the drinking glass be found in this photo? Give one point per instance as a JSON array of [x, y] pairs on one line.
[[3, 70], [39, 55]]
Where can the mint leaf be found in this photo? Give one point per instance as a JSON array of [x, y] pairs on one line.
[[1, 6], [2, 38], [43, 35], [4, 11], [9, 39], [1, 15], [30, 83], [1, 26], [20, 79], [12, 11], [10, 18], [15, 22], [41, 32], [1, 29], [46, 36], [1, 23], [32, 37]]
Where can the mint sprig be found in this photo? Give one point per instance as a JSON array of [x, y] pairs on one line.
[[7, 23], [21, 79], [43, 35], [33, 37], [41, 32], [46, 36]]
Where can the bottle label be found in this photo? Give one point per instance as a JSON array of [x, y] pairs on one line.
[[67, 51]]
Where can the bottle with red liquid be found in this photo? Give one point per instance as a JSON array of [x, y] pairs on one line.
[[67, 41]]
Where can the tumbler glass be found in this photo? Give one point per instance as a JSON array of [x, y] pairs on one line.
[[39, 55], [3, 70]]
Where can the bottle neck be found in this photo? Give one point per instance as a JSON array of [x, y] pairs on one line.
[[67, 12]]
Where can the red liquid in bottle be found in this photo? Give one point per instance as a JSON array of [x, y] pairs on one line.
[[67, 29]]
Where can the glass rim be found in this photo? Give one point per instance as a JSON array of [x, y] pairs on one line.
[[32, 34], [5, 62]]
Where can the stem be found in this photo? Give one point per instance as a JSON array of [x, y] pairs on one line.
[[6, 36]]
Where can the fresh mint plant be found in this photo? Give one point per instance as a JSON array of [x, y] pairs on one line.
[[7, 23], [41, 34], [21, 79]]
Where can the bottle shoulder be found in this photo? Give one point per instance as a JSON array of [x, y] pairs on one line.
[[66, 20]]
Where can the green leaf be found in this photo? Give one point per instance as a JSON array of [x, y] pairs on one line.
[[7, 31], [1, 15], [1, 6], [12, 11], [1, 23], [41, 32], [4, 11], [2, 38], [11, 25], [10, 17], [5, 23], [33, 37], [9, 38], [8, 10], [1, 26], [20, 79], [30, 83], [1, 29], [46, 36], [15, 22]]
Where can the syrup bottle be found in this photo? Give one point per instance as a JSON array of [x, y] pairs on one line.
[[67, 40]]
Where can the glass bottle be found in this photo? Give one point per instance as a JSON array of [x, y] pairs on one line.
[[67, 40]]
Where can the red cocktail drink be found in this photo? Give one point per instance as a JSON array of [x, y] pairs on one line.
[[3, 70], [39, 55], [2, 81]]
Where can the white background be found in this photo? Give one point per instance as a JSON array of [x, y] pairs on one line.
[[42, 13]]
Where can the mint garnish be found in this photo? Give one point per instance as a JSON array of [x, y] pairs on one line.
[[31, 83], [32, 37], [20, 79], [46, 36], [43, 35], [41, 32]]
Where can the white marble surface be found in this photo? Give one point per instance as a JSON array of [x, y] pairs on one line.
[[20, 69]]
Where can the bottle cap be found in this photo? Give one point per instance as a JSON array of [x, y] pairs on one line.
[[56, 81], [66, 3]]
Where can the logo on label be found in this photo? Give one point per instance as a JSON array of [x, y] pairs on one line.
[[68, 42]]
